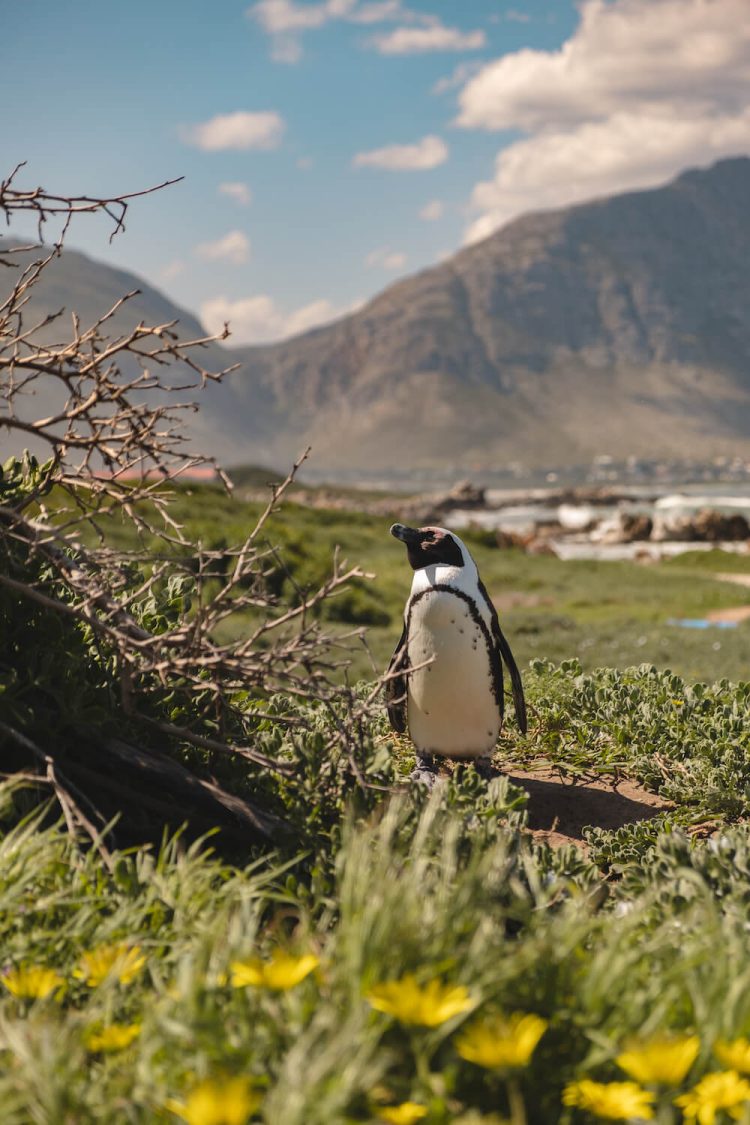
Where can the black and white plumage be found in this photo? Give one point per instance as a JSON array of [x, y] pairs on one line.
[[445, 682]]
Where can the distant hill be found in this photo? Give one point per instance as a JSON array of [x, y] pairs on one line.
[[76, 283], [618, 326]]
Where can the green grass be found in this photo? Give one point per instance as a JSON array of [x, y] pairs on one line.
[[647, 936]]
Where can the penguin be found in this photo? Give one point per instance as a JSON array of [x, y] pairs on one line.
[[445, 679]]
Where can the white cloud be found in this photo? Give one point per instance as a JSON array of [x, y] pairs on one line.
[[600, 158], [240, 130], [234, 247], [641, 89], [172, 269], [515, 15], [287, 20], [281, 16], [432, 211], [460, 74], [624, 54], [435, 37], [427, 153], [258, 320], [377, 12], [386, 259], [239, 192], [286, 49]]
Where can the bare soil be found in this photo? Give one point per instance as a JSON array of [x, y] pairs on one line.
[[560, 808]]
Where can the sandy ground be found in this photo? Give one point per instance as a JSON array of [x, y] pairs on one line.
[[739, 578], [560, 808]]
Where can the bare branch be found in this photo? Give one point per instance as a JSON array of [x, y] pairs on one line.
[[117, 448]]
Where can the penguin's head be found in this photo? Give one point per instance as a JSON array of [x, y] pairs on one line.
[[430, 546]]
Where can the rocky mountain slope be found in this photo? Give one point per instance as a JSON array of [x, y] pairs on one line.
[[619, 326]]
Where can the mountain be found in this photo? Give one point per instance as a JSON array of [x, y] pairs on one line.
[[620, 326]]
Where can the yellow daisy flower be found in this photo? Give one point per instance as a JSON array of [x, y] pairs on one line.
[[408, 1113], [427, 1005], [32, 982], [734, 1054], [615, 1101], [724, 1089], [113, 1037], [662, 1060], [281, 973], [217, 1101], [122, 961], [501, 1042]]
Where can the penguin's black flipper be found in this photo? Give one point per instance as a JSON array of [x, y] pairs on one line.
[[395, 687], [519, 700]]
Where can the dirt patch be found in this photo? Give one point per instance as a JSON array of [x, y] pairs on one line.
[[560, 808], [738, 578], [731, 616]]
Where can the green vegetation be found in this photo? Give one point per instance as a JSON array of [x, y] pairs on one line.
[[174, 980]]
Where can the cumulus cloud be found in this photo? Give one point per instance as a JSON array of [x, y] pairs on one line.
[[377, 12], [641, 89], [287, 20], [234, 247], [432, 211], [240, 130], [259, 320], [386, 259], [172, 269], [599, 158], [286, 49], [458, 76], [435, 37], [427, 153], [239, 192]]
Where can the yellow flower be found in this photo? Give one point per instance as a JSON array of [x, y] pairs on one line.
[[501, 1042], [280, 973], [734, 1054], [32, 982], [428, 1005], [616, 1101], [122, 961], [724, 1089], [408, 1113], [217, 1101], [661, 1060], [114, 1037]]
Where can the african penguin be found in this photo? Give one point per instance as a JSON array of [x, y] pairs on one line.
[[445, 678]]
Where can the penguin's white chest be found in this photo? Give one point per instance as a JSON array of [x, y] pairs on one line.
[[451, 704]]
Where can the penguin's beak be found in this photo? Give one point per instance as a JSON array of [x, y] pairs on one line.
[[408, 535]]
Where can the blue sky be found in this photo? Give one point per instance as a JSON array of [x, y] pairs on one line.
[[336, 123]]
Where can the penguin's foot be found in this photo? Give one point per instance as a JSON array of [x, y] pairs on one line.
[[485, 768], [425, 771]]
